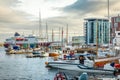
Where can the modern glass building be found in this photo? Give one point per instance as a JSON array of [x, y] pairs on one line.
[[96, 30]]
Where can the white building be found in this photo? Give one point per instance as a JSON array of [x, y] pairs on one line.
[[116, 40]]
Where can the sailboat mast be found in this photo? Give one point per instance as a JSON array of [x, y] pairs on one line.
[[97, 40], [59, 33], [62, 38], [52, 36], [67, 34], [108, 7], [46, 32], [40, 27]]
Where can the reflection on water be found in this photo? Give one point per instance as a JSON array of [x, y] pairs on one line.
[[18, 67]]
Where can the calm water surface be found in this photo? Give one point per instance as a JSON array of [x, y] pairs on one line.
[[18, 67]]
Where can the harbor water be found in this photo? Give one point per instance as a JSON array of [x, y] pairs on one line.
[[18, 67]]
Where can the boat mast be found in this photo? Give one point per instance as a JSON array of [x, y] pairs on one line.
[[52, 36], [40, 27], [59, 33], [97, 38], [46, 32], [62, 38], [108, 7], [67, 34]]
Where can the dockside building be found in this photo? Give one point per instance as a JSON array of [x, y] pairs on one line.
[[96, 30]]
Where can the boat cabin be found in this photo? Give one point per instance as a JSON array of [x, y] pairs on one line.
[[86, 59]]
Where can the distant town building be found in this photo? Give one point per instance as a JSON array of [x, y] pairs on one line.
[[96, 30], [78, 40], [115, 26]]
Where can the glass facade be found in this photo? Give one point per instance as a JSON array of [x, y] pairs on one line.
[[96, 30]]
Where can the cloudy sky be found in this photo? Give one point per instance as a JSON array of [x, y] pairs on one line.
[[23, 15]]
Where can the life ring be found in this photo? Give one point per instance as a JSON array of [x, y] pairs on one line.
[[117, 66], [60, 76]]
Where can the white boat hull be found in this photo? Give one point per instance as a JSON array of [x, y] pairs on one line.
[[78, 68]]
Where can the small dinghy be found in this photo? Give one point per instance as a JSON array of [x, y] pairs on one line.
[[61, 76]]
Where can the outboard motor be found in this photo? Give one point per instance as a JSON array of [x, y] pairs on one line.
[[81, 59], [83, 76]]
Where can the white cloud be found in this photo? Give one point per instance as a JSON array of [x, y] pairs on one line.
[[22, 15]]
